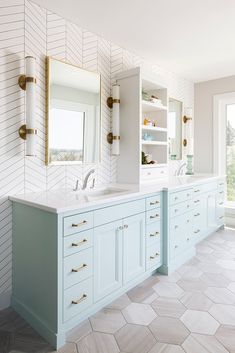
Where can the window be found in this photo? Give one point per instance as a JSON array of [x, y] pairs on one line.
[[230, 151]]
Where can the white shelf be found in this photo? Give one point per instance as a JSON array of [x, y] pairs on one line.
[[149, 106], [154, 128], [155, 165], [157, 143]]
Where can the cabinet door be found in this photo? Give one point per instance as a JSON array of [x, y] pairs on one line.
[[211, 211], [133, 247], [107, 259]]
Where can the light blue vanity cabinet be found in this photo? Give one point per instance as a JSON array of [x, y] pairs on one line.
[[190, 215], [66, 266]]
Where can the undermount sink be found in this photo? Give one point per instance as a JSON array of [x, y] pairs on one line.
[[99, 192]]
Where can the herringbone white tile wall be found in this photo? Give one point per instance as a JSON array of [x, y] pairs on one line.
[[27, 29]]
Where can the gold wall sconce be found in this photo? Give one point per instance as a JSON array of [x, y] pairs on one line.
[[27, 83], [188, 133], [113, 103]]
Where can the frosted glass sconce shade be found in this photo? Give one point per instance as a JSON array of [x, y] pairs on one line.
[[27, 82], [114, 136]]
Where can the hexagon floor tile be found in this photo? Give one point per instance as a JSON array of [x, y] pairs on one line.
[[196, 301], [224, 314], [226, 335], [196, 343], [135, 339], [199, 322], [140, 314], [168, 290], [166, 348], [168, 307], [107, 321], [169, 330]]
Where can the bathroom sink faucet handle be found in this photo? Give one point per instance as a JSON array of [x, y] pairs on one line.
[[93, 183], [76, 185]]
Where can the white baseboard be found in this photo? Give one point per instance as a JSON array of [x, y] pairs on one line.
[[5, 300]]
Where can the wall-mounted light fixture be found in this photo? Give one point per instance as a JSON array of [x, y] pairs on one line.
[[27, 82], [114, 104], [187, 119]]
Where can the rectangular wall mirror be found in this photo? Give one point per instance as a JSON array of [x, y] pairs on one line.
[[73, 121], [175, 129]]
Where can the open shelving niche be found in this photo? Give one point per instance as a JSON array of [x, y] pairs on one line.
[[133, 110]]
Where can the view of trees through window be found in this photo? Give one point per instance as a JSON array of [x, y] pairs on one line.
[[230, 143]]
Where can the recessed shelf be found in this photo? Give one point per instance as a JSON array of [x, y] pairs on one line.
[[149, 106], [153, 128], [157, 143]]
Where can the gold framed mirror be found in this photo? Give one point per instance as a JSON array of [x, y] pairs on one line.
[[175, 113], [73, 114]]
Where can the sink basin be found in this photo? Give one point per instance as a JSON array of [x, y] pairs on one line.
[[99, 192]]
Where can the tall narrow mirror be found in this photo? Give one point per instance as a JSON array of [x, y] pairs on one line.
[[175, 129], [73, 114]]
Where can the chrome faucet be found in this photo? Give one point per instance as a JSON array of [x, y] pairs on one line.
[[84, 186], [180, 170]]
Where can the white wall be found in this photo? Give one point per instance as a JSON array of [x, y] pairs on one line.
[[203, 120], [26, 29]]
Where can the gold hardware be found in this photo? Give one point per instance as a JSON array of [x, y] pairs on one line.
[[176, 246], [196, 201], [176, 226], [125, 226], [186, 119], [79, 224], [153, 257], [197, 231], [197, 214], [23, 132], [197, 190], [221, 217], [185, 142], [155, 216], [154, 234], [80, 243], [220, 184], [22, 81], [79, 268], [176, 210], [110, 102], [187, 239], [221, 192], [154, 203], [83, 297], [111, 138], [176, 198], [221, 203]]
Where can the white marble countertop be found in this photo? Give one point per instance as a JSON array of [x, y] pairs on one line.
[[60, 201]]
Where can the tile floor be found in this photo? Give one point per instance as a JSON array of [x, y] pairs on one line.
[[191, 311]]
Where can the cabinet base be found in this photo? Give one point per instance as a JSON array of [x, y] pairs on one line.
[[57, 340]]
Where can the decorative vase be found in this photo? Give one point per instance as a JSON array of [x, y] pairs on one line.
[[189, 167]]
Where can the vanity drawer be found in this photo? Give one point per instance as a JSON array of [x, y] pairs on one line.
[[181, 224], [77, 223], [112, 213], [78, 242], [153, 233], [153, 172], [176, 247], [177, 197], [202, 188], [153, 202], [77, 299], [153, 216], [78, 267], [153, 256], [180, 208]]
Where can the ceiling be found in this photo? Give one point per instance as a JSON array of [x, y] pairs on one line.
[[192, 38]]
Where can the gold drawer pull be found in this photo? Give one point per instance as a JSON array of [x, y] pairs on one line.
[[221, 217], [155, 216], [197, 231], [221, 184], [197, 214], [154, 256], [176, 210], [221, 192], [79, 224], [188, 195], [187, 239], [221, 203], [83, 297], [188, 206], [154, 234], [176, 246], [176, 198], [196, 201], [188, 220], [79, 268], [80, 243], [176, 226], [154, 203], [125, 226], [197, 190]]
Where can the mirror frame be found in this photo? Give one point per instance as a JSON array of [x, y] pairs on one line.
[[181, 140], [47, 68]]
